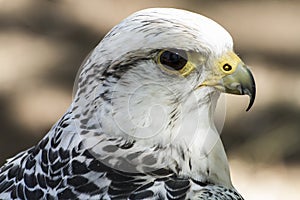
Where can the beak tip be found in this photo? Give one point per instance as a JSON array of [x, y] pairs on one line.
[[252, 98], [249, 106]]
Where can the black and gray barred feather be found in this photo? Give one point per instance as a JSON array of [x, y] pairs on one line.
[[58, 167]]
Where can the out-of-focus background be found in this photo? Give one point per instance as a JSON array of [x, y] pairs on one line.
[[42, 44]]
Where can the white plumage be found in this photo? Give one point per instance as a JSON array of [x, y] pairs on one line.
[[141, 123]]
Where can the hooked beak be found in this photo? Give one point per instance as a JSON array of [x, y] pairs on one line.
[[241, 82]]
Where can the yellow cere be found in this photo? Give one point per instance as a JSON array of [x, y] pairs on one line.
[[229, 60]]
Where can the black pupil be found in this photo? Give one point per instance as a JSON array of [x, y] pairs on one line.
[[175, 60], [227, 67]]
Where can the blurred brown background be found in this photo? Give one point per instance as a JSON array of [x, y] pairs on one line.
[[42, 44]]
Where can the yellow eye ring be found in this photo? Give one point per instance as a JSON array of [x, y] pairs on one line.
[[175, 60]]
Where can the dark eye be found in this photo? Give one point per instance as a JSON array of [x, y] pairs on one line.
[[227, 67], [174, 60]]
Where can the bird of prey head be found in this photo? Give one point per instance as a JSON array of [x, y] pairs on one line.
[[141, 123], [153, 82]]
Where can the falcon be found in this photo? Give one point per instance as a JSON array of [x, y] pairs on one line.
[[141, 124]]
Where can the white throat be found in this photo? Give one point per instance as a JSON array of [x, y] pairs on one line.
[[200, 141], [190, 140]]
